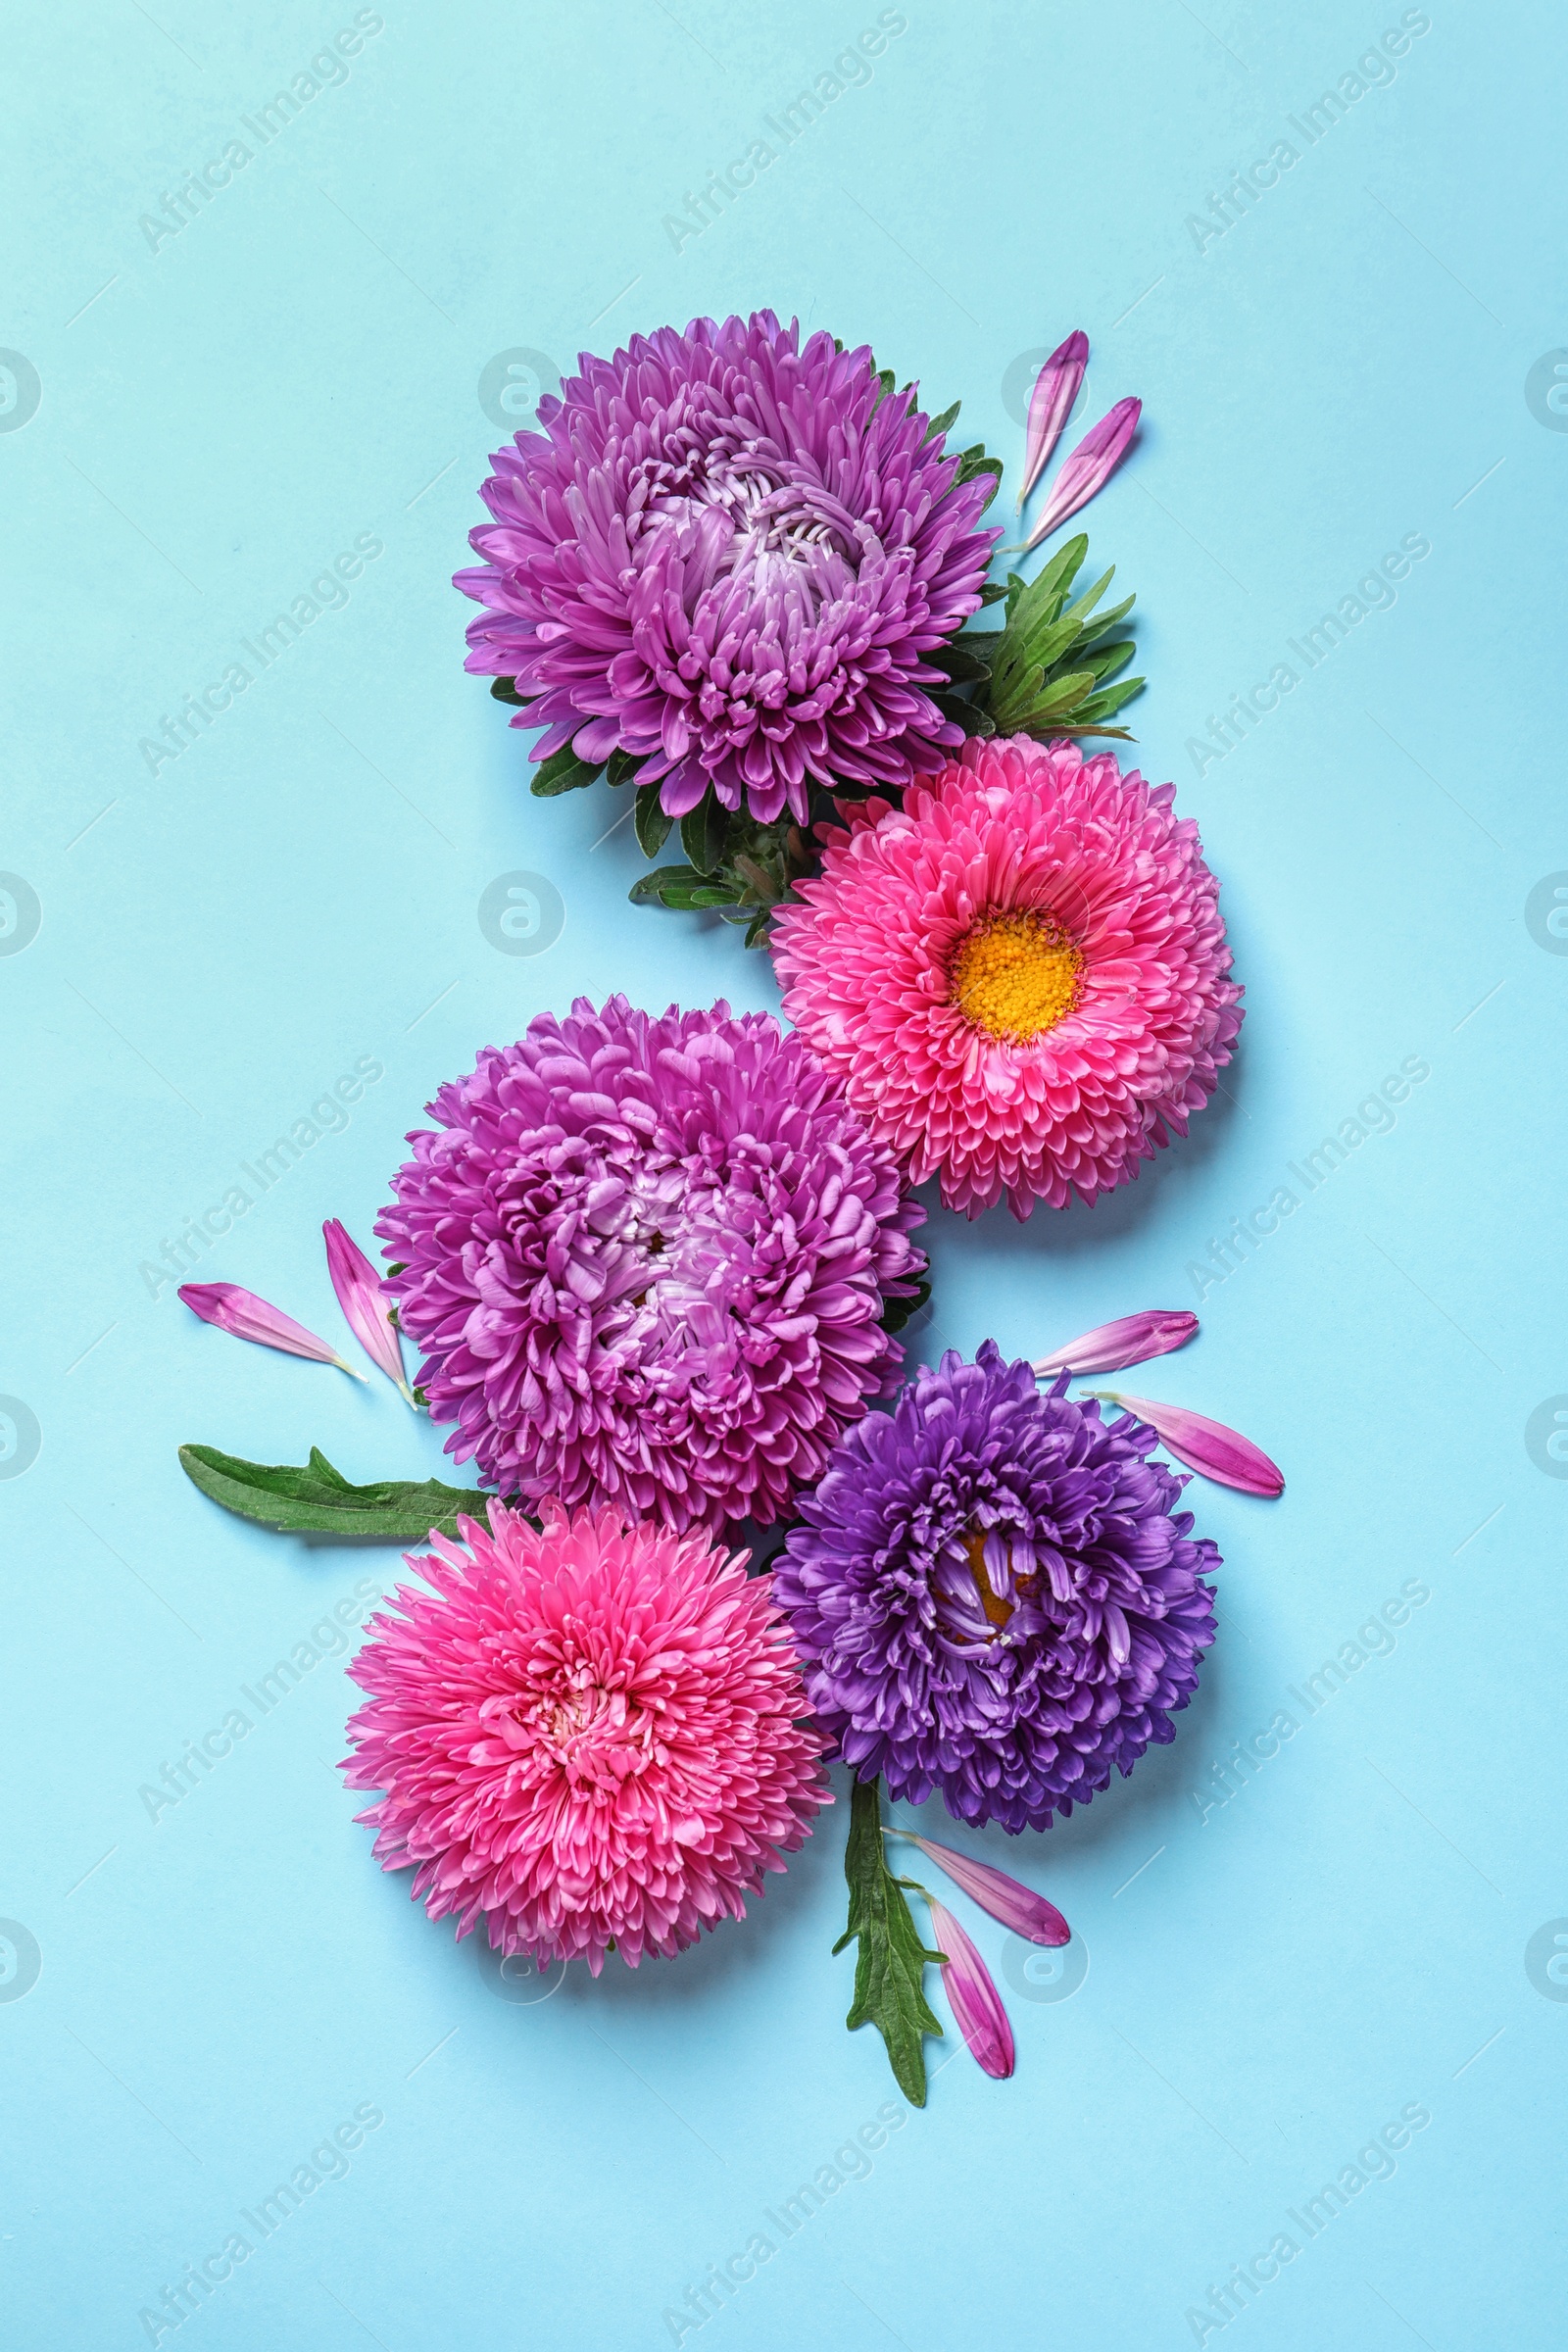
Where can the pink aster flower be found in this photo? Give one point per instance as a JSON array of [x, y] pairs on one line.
[[1022, 976], [589, 1734]]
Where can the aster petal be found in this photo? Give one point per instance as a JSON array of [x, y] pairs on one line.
[[365, 1307], [1129, 1340], [1206, 1447], [247, 1317], [976, 2003]]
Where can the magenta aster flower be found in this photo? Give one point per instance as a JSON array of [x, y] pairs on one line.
[[648, 1261], [1022, 976], [591, 1735], [728, 557], [993, 1596]]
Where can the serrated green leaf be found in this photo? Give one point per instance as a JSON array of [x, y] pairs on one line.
[[944, 422], [890, 1963], [650, 823], [703, 831], [318, 1499], [563, 771]]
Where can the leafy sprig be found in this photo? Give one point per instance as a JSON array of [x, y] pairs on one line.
[[317, 1500], [890, 1963]]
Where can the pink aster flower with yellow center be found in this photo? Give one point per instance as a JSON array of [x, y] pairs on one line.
[[1022, 976], [590, 1735]]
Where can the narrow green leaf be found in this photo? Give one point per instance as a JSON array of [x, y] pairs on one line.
[[318, 1499], [890, 1963], [1107, 660], [1105, 704], [965, 659], [944, 422], [993, 592], [505, 690], [649, 890], [622, 767], [563, 771], [704, 830], [650, 823]]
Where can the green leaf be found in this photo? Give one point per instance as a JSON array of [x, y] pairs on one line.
[[993, 592], [319, 1501], [622, 767], [505, 690], [653, 890], [890, 1964], [704, 830], [973, 460], [650, 823], [1110, 700], [563, 771], [944, 422], [756, 929], [896, 1312], [1107, 660], [965, 659]]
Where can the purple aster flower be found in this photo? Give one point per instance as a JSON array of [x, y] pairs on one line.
[[647, 1262], [990, 1595], [728, 557]]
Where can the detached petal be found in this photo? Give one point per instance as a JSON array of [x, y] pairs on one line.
[[1132, 1340], [248, 1317], [1089, 469], [1051, 405], [1208, 1446], [364, 1303], [976, 2001], [1017, 1907]]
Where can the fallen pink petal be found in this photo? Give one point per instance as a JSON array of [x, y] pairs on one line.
[[365, 1304], [1089, 469], [1051, 405], [1016, 1906], [1206, 1447], [1131, 1339], [246, 1317], [976, 2001]]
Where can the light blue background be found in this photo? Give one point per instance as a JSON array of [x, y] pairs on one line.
[[222, 417]]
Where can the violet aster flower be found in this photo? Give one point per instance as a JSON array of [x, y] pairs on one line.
[[646, 1263], [992, 1595], [728, 557]]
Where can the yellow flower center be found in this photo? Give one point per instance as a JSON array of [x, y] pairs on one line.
[[1017, 975]]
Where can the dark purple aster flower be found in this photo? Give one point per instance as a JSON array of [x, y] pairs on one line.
[[729, 557], [990, 1595], [646, 1263]]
